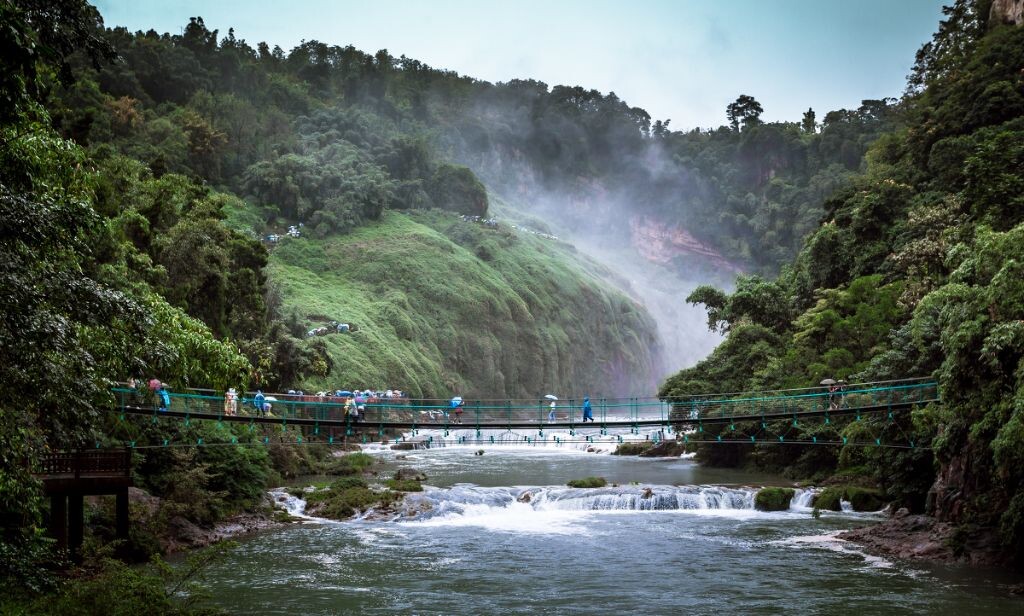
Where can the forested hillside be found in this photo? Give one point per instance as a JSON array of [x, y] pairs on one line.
[[914, 269], [327, 140]]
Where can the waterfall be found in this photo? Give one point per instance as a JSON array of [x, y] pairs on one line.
[[802, 499], [295, 506], [582, 439], [464, 500]]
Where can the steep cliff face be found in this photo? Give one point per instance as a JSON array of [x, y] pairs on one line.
[[1007, 12], [662, 243]]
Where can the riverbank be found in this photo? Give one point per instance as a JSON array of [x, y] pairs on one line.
[[176, 533], [923, 538]]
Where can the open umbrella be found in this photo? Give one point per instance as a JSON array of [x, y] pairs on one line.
[[828, 381], [154, 384], [457, 399], [345, 394], [551, 397]]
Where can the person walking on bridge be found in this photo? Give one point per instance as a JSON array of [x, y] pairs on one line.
[[257, 402], [163, 397], [588, 411]]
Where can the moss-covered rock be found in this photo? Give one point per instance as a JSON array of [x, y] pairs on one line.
[[589, 482], [773, 499], [829, 498], [347, 497], [666, 449], [860, 499], [632, 449], [865, 499], [410, 474]]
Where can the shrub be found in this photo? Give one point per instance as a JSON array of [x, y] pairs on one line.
[[773, 499], [351, 464], [346, 483], [589, 482]]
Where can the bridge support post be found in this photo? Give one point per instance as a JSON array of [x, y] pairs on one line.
[[76, 526], [122, 514], [59, 520]]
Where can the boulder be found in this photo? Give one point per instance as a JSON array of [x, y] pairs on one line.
[[410, 474], [773, 499]]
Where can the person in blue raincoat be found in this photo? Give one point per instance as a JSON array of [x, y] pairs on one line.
[[457, 404], [257, 401], [163, 397], [588, 412]]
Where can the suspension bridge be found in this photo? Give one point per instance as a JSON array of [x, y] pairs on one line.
[[879, 412]]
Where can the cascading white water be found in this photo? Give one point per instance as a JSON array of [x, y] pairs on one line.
[[467, 499], [582, 439], [462, 499], [294, 505], [802, 499]]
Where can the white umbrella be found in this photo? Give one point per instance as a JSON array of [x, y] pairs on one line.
[[828, 382], [551, 397]]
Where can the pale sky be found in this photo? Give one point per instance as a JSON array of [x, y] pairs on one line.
[[683, 59]]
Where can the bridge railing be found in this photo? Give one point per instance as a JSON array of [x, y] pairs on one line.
[[401, 410], [507, 412], [85, 463], [821, 400]]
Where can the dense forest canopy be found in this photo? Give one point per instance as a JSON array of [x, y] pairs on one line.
[[914, 269]]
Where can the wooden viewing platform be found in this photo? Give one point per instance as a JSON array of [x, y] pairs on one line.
[[70, 476]]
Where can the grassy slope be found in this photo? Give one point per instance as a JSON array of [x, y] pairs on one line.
[[446, 306]]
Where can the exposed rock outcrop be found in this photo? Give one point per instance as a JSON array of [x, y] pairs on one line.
[[1007, 12], [661, 243]]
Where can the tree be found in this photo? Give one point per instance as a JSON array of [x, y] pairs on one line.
[[455, 188], [808, 124], [39, 31], [745, 111]]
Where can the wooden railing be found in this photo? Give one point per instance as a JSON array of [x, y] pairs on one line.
[[106, 463]]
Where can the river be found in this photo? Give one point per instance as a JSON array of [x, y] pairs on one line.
[[671, 538]]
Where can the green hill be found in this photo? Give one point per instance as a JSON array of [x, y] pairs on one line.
[[443, 305]]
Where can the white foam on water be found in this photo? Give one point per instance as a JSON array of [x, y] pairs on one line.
[[561, 510], [802, 499], [295, 506], [514, 518], [831, 542], [556, 439]]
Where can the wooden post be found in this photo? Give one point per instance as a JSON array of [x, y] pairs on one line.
[[122, 514], [76, 526], [59, 520]]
